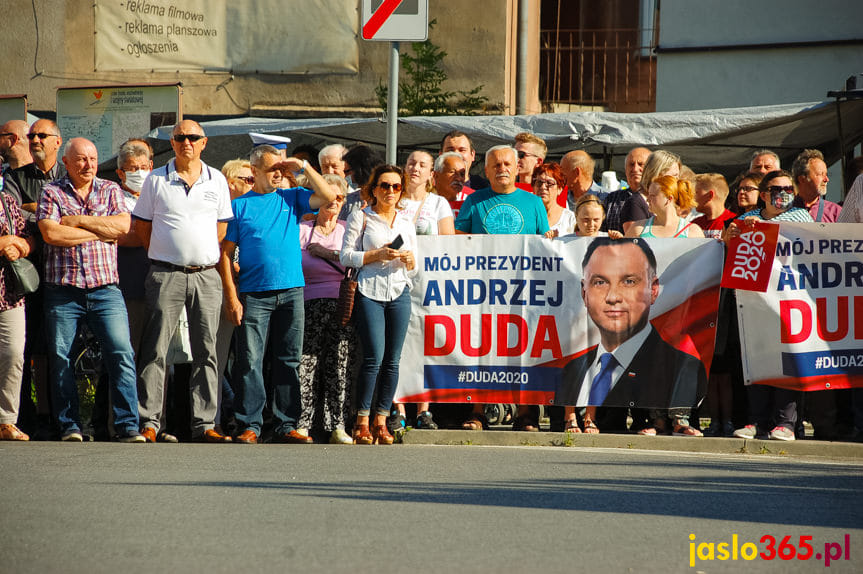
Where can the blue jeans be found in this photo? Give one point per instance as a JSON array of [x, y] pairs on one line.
[[280, 314], [381, 326], [104, 312]]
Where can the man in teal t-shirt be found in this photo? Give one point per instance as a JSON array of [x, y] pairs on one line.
[[266, 230], [502, 208]]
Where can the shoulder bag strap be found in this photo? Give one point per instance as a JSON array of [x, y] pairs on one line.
[[420, 208], [820, 209], [6, 211]]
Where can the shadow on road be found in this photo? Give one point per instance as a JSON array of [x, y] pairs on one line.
[[757, 492]]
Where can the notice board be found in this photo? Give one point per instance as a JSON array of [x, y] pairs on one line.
[[109, 115], [13, 108]]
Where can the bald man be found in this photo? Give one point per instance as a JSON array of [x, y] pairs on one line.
[[181, 217], [633, 168], [13, 144], [577, 167]]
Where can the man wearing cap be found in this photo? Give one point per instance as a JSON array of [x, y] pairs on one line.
[[267, 305], [278, 142], [181, 216]]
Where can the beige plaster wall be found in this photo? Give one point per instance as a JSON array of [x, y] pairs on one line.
[[478, 36]]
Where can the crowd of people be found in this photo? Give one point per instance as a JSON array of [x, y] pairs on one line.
[[225, 284]]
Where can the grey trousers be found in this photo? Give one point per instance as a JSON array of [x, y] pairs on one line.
[[167, 292], [12, 333]]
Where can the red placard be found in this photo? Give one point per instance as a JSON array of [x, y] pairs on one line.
[[749, 260]]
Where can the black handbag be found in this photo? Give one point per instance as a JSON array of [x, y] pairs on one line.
[[22, 278]]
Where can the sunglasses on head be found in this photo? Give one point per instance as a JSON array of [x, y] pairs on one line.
[[780, 188], [180, 138], [385, 185], [40, 135]]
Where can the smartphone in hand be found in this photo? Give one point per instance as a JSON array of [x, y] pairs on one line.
[[397, 242]]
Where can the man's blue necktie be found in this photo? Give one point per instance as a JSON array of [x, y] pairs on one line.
[[602, 382]]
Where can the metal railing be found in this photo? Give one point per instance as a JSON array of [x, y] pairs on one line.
[[604, 67]]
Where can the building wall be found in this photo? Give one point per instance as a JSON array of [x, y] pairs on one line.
[[56, 49], [736, 72]]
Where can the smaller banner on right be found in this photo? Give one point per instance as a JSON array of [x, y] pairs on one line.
[[805, 331]]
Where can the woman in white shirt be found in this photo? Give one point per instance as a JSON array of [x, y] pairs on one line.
[[381, 242], [431, 214], [547, 181]]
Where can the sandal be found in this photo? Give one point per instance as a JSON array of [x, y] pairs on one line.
[[525, 423], [647, 431], [686, 430], [572, 427], [381, 435], [361, 435], [11, 432], [590, 427], [476, 422]]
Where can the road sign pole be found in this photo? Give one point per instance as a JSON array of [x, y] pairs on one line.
[[393, 104]]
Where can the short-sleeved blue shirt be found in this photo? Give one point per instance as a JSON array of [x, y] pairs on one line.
[[266, 230], [519, 212]]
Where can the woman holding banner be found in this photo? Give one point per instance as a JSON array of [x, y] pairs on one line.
[[666, 197], [381, 242], [589, 215], [771, 407]]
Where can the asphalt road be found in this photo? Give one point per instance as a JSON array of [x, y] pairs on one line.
[[104, 507]]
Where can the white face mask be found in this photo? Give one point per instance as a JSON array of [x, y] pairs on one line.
[[135, 179]]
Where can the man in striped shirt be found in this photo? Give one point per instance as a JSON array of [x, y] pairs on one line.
[[81, 217]]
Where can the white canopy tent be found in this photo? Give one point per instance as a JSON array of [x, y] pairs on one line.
[[720, 140]]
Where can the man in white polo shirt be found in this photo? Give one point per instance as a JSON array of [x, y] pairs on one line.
[[181, 216]]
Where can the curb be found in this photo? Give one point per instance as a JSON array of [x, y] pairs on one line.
[[800, 448]]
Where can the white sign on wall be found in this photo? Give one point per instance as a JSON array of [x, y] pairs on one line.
[[264, 36]]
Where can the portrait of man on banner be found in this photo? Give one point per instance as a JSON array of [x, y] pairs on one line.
[[632, 366]]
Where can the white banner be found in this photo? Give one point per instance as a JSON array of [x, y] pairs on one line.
[[501, 319], [806, 331], [267, 36]]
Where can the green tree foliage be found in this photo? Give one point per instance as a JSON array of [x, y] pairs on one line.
[[422, 94]]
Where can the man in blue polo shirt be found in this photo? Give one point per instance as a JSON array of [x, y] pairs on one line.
[[269, 302]]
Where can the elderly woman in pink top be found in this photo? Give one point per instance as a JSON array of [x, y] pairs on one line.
[[329, 351]]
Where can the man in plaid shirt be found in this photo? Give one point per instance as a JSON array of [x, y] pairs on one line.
[[81, 217]]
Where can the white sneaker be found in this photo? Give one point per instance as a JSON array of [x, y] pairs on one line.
[[339, 436], [73, 436], [749, 431], [781, 433]]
